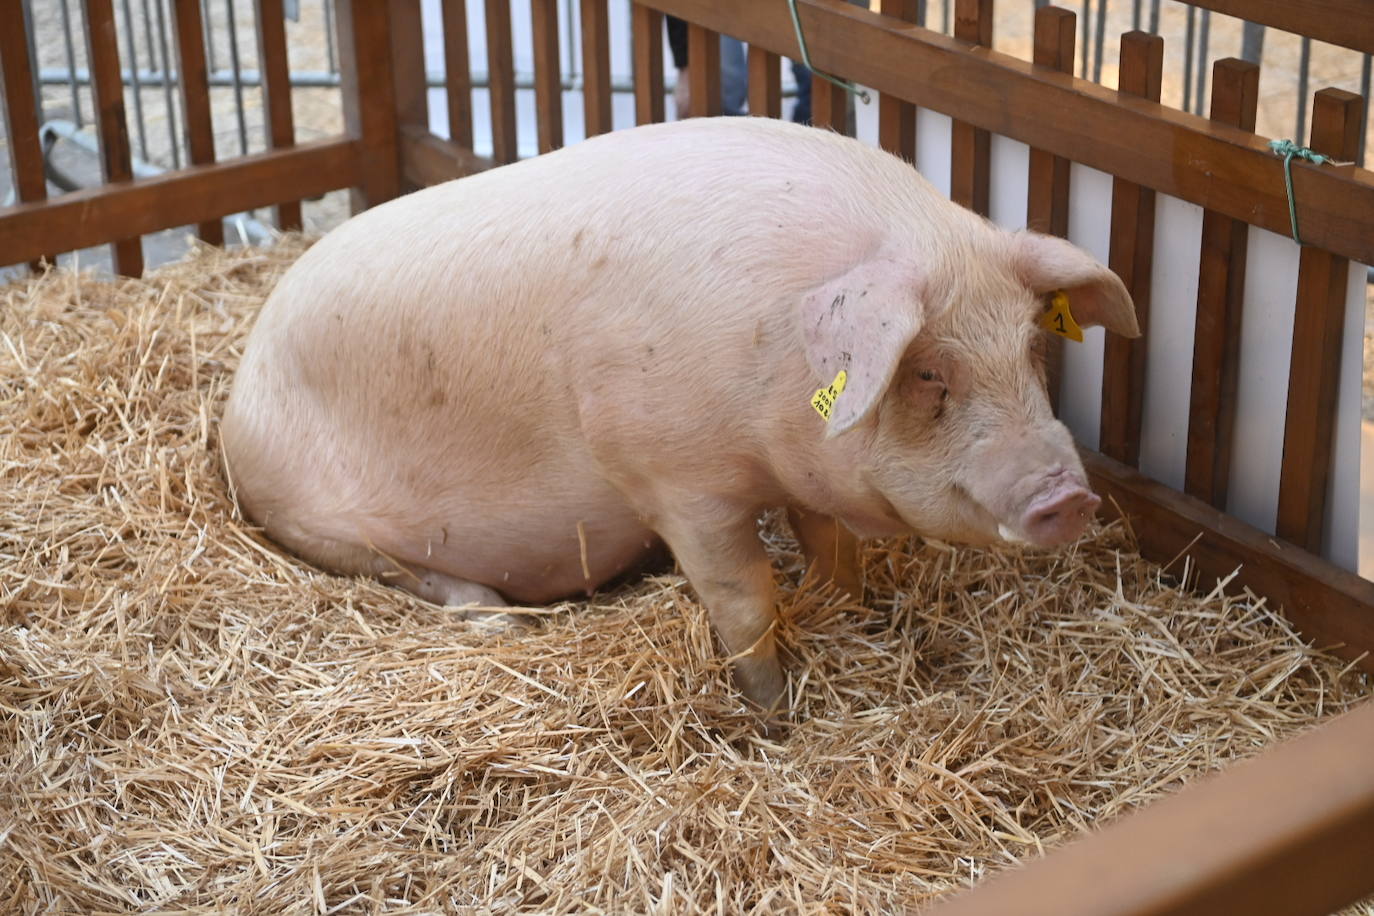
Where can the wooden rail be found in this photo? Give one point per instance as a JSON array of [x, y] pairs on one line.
[[1218, 167]]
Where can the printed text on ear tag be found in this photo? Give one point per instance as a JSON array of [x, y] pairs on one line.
[[824, 398], [1059, 320]]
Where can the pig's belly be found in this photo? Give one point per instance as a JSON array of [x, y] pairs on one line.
[[545, 541]]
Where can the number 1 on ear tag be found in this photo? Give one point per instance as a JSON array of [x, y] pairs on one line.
[[824, 398], [1059, 320]]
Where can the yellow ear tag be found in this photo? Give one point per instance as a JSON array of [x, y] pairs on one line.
[[1059, 320], [824, 398]]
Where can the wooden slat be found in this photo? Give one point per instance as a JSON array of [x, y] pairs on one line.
[[1047, 195], [765, 83], [1330, 606], [647, 25], [1314, 369], [1340, 22], [703, 72], [548, 76], [195, 98], [196, 194], [501, 80], [896, 118], [596, 67], [107, 91], [408, 70], [1289, 833], [1175, 153], [970, 146], [1220, 300], [427, 159], [19, 107], [276, 91], [369, 100], [829, 105], [457, 71], [1131, 255]]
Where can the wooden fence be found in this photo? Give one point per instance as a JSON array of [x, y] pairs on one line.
[[1315, 850]]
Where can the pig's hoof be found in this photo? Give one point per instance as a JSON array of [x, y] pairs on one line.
[[763, 683]]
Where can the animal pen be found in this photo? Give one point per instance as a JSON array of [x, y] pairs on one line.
[[1221, 467]]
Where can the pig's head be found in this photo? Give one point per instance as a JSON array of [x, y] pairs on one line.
[[945, 415]]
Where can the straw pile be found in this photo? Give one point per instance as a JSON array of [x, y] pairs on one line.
[[192, 719]]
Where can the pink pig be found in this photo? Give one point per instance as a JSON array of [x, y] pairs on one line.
[[512, 386]]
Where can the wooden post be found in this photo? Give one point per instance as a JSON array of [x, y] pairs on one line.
[[457, 72], [548, 78], [1220, 300], [276, 90], [501, 82], [971, 147], [1047, 195], [703, 71], [896, 118], [596, 67], [765, 83], [195, 98], [107, 88], [646, 23], [1314, 369], [1132, 257], [369, 99], [20, 107]]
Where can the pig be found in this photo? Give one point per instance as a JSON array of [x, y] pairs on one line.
[[511, 387]]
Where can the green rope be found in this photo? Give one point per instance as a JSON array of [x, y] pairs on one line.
[[806, 58], [1288, 149]]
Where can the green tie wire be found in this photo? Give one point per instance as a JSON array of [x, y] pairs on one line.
[[1288, 149], [806, 58]]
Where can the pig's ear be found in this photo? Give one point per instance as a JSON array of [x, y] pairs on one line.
[[861, 322], [1097, 296]]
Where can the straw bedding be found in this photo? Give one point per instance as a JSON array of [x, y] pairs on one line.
[[192, 719]]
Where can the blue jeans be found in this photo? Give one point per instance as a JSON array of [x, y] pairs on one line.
[[734, 81]]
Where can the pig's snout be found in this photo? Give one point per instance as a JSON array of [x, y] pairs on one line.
[[1059, 513]]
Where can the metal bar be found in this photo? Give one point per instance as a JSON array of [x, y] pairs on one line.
[[1304, 63], [331, 61], [29, 29], [1086, 41], [1135, 15], [1252, 42], [1099, 38], [1188, 41], [132, 41], [1154, 17], [167, 85], [71, 61], [237, 69], [1204, 35], [207, 22], [1364, 122]]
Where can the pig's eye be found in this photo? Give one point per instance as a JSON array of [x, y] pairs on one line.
[[931, 391], [927, 375]]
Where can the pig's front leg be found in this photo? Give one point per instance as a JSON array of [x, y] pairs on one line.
[[719, 550], [831, 550]]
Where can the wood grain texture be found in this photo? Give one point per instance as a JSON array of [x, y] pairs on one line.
[[20, 110], [1186, 156], [199, 193], [703, 72], [1315, 365], [765, 83], [1288, 833], [548, 75], [646, 27], [1347, 23], [1220, 303], [1131, 256], [1047, 184], [427, 159], [457, 71], [971, 147], [596, 67], [107, 91], [195, 97], [276, 92], [896, 118], [369, 99], [501, 82]]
